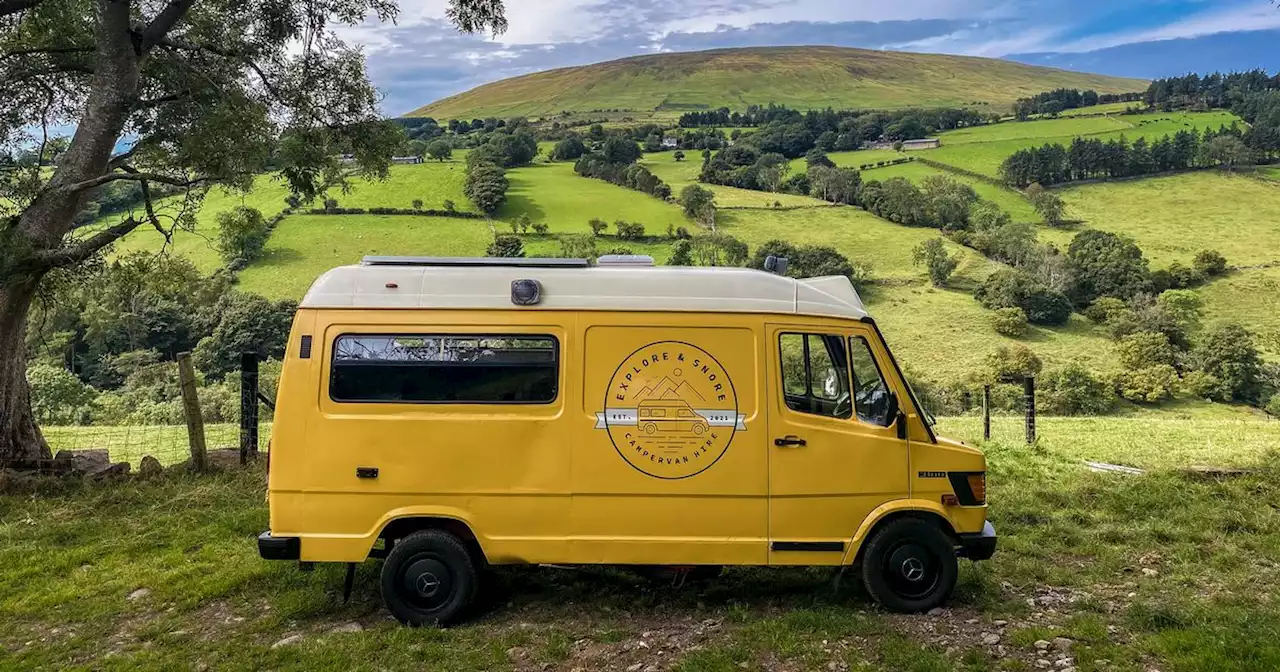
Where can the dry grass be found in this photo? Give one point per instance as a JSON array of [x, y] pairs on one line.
[[799, 77]]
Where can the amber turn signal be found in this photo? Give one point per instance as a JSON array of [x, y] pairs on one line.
[[978, 486], [950, 500]]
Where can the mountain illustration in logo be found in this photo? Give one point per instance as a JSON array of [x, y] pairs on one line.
[[670, 389]]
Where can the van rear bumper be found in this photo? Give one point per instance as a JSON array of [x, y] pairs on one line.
[[279, 548], [979, 545]]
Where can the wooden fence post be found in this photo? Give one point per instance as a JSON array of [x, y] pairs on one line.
[[986, 412], [248, 406], [191, 410], [1029, 396]]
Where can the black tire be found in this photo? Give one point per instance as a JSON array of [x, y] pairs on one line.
[[429, 578], [909, 566]]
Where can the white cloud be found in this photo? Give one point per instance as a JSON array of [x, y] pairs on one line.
[[984, 40], [833, 11]]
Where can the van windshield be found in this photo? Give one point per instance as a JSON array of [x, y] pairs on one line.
[[925, 414]]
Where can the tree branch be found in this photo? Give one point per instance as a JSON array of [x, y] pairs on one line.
[[45, 50], [68, 256], [136, 177], [164, 22], [150, 207], [190, 46], [8, 7]]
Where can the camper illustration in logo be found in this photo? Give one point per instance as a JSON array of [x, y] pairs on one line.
[[670, 415], [671, 410]]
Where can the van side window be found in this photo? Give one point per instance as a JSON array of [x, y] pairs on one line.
[[870, 394], [815, 374], [455, 368]]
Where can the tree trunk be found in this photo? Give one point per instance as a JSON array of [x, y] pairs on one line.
[[20, 439]]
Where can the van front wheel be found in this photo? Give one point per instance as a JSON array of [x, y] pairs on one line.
[[429, 578], [909, 566]]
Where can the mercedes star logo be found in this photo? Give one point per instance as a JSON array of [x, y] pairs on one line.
[[428, 583], [913, 569]]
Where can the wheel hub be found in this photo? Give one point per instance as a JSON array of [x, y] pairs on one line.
[[912, 571], [427, 582]]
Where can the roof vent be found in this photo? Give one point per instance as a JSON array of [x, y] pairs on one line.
[[625, 260]]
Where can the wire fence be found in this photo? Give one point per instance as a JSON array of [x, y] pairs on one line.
[[130, 443], [95, 447]]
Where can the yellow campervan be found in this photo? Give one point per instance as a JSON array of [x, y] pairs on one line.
[[448, 414]]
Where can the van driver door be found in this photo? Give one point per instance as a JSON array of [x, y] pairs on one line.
[[834, 454]]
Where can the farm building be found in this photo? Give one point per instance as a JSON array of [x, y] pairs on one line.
[[922, 143]]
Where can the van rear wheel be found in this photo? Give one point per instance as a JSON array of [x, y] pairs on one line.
[[909, 566], [429, 578]]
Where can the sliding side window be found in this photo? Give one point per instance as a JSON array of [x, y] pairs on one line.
[[445, 369]]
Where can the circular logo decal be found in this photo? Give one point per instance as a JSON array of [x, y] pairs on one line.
[[670, 410]]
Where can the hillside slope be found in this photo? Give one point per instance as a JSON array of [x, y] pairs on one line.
[[799, 77]]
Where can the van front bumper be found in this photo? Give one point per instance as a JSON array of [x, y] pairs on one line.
[[979, 545], [279, 548]]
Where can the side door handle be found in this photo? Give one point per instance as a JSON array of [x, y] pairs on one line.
[[789, 440]]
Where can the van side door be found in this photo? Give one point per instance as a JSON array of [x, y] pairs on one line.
[[834, 455]]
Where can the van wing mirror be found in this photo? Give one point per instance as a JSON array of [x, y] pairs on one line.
[[893, 416], [890, 408]]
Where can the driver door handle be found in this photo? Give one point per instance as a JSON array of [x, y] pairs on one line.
[[789, 440]]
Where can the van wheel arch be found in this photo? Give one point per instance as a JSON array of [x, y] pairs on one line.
[[403, 527], [927, 516]]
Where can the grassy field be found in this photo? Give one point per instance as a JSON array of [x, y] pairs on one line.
[[1040, 130], [201, 244], [983, 148], [1250, 297], [1009, 200], [304, 246], [855, 159], [1173, 217], [553, 193], [1159, 571], [1105, 108], [431, 182], [799, 77], [944, 334]]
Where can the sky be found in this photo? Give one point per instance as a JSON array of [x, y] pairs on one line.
[[421, 57]]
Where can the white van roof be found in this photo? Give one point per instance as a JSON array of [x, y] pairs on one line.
[[624, 284]]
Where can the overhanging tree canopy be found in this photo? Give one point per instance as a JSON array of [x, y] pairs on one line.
[[201, 93]]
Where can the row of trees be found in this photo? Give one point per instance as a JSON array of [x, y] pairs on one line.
[[745, 166], [615, 161], [486, 181], [1057, 100], [1216, 90], [829, 119], [792, 133], [1091, 158]]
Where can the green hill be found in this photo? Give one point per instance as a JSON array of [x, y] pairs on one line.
[[799, 77]]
